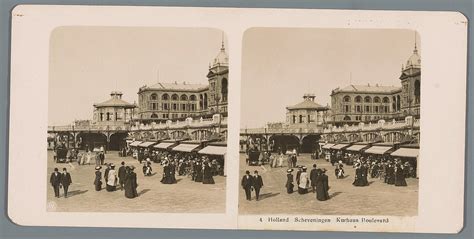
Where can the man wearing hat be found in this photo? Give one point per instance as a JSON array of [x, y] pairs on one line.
[[257, 184], [298, 174], [121, 175], [65, 181], [131, 183], [312, 176], [98, 178], [247, 183], [55, 181]]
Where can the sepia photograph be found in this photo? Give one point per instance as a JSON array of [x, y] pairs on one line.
[[330, 121], [137, 120]]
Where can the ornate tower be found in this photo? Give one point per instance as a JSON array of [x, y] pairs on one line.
[[218, 81], [411, 90]]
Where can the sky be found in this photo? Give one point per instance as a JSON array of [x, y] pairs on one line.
[[280, 65], [87, 63]]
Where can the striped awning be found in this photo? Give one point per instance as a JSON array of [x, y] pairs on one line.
[[328, 146], [146, 144], [163, 145], [135, 143], [214, 150], [406, 152], [378, 149], [340, 146], [356, 147], [186, 147]]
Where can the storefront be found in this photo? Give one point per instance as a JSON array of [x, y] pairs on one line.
[[218, 152], [408, 154]]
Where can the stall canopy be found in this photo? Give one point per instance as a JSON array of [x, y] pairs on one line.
[[146, 144], [356, 147], [340, 146], [185, 147], [406, 152], [328, 146], [135, 143], [214, 150], [378, 149], [163, 145]]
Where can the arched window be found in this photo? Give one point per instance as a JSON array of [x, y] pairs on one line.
[[154, 116], [205, 101], [347, 98], [192, 97], [153, 96], [358, 99], [398, 103], [417, 92], [347, 118], [386, 100], [367, 99], [184, 97], [224, 89], [174, 97], [376, 99], [294, 119], [165, 97], [301, 119]]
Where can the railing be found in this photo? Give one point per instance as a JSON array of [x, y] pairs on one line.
[[71, 128]]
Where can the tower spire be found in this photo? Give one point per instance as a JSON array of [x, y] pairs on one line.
[[415, 50], [222, 42]]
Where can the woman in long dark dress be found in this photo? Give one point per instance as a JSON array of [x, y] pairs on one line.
[[207, 174], [400, 177], [322, 186], [289, 181], [98, 178], [390, 174], [173, 172], [131, 183], [359, 176], [198, 169], [166, 174]]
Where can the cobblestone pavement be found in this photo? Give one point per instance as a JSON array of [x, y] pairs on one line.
[[376, 199], [184, 197]]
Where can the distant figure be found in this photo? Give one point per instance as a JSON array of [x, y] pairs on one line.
[[122, 175], [322, 186], [247, 183], [289, 181], [257, 184], [400, 176], [359, 176], [280, 160], [111, 179], [66, 181], [98, 178], [207, 174], [131, 183], [55, 181]]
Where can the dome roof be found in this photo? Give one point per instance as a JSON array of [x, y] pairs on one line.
[[222, 59], [414, 60]]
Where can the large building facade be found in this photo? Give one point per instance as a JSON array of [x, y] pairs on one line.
[[369, 103], [174, 101]]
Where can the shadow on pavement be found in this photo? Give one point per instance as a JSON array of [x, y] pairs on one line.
[[143, 192], [76, 192], [268, 195], [334, 194]]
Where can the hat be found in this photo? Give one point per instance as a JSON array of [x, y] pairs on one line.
[[132, 167], [304, 167], [289, 170], [98, 167], [323, 170]]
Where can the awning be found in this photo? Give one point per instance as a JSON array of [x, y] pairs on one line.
[[328, 146], [135, 143], [356, 147], [185, 147], [339, 146], [406, 152], [163, 145], [378, 149], [214, 150], [146, 144]]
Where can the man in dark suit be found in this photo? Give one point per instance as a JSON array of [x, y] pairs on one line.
[[66, 181], [257, 183], [55, 181], [247, 183], [121, 175], [312, 176]]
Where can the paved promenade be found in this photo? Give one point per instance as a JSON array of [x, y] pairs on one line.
[[184, 197], [376, 199]]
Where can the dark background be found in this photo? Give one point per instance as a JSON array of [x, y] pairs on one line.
[[10, 230]]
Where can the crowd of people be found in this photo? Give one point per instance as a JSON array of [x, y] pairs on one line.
[[125, 178]]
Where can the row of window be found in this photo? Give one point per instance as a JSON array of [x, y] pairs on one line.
[[366, 118], [367, 99], [184, 97], [167, 116], [174, 106], [367, 109]]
